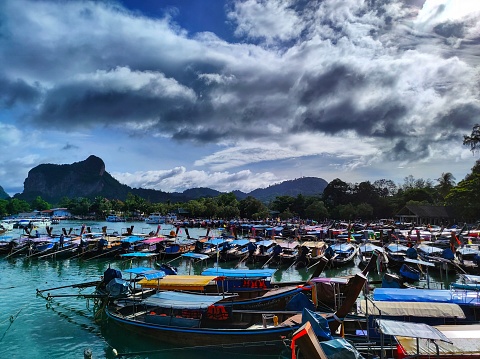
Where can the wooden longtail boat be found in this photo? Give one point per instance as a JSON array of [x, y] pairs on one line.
[[187, 319]]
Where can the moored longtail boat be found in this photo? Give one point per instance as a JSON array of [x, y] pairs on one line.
[[187, 319]]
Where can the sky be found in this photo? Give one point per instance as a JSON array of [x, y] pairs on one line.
[[239, 95]]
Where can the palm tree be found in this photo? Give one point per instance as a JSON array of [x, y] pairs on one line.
[[474, 139], [445, 183]]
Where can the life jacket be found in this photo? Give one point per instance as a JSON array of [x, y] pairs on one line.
[[217, 312]]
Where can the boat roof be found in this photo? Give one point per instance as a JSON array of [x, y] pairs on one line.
[[399, 309], [370, 247], [397, 247], [265, 243], [330, 280], [155, 240], [239, 273], [178, 300], [418, 261], [195, 255], [217, 241], [411, 330], [314, 244], [179, 282], [429, 249], [342, 247], [148, 273], [139, 254], [464, 341], [131, 239], [240, 242], [425, 295]]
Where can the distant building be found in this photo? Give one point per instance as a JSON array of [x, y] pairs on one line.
[[182, 213], [426, 214], [60, 213]]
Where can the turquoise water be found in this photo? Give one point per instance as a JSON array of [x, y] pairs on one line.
[[32, 327]]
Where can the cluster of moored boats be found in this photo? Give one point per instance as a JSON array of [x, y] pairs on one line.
[[404, 251], [240, 305]]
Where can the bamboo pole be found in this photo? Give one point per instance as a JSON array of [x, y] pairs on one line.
[[78, 285]]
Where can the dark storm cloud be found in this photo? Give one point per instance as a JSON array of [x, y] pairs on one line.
[[15, 92], [449, 29], [345, 116], [405, 150], [461, 117], [368, 67]]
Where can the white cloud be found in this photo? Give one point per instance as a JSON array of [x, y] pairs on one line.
[[179, 179]]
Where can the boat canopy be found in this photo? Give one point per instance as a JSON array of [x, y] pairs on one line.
[[429, 249], [239, 273], [397, 247], [217, 241], [412, 330], [265, 243], [314, 244], [425, 295], [148, 273], [155, 240], [400, 309], [139, 254], [342, 247], [239, 242], [131, 239], [179, 300], [178, 282], [192, 255], [418, 261], [464, 340], [370, 247], [330, 280]]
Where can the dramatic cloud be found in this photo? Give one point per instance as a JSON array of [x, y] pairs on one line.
[[353, 83]]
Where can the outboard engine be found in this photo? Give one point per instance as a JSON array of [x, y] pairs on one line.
[[114, 284]]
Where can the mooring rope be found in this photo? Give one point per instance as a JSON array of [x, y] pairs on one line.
[[11, 319]]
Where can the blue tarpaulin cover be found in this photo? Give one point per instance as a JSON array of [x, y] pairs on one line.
[[319, 324], [425, 295], [299, 302], [239, 273], [340, 349]]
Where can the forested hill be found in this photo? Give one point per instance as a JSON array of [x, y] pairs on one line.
[[307, 186], [3, 194], [89, 179]]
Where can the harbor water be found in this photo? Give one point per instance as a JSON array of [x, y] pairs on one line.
[[65, 327]]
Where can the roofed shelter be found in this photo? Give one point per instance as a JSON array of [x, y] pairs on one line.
[[426, 214]]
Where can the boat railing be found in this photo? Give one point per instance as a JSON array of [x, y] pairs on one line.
[[465, 295]]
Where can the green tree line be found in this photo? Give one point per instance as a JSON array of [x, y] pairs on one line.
[[340, 200]]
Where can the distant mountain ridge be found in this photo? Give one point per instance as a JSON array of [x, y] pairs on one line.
[[89, 179]]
